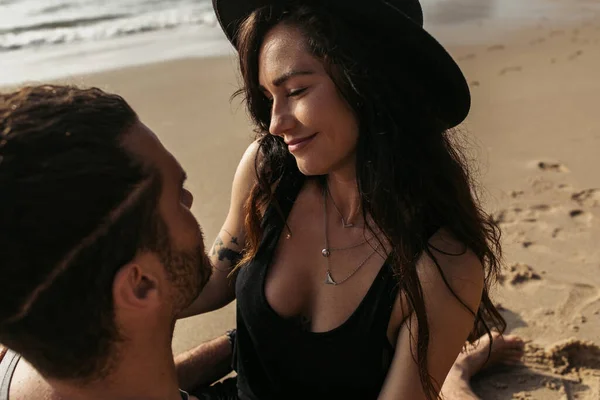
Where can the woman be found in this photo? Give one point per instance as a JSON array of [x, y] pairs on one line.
[[366, 259]]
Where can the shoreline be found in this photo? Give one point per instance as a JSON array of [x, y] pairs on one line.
[[457, 24]]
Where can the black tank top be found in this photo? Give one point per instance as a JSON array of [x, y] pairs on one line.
[[276, 359]]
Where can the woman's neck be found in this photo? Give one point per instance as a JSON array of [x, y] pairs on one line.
[[343, 192]]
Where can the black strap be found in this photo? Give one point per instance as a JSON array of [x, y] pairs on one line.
[[7, 369]]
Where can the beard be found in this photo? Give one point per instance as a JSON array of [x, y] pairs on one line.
[[188, 271]]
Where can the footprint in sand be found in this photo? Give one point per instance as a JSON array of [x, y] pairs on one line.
[[576, 213], [541, 184], [518, 273], [496, 47], [556, 233], [516, 68], [588, 197], [537, 41], [518, 214], [578, 298], [474, 84], [573, 355], [467, 57], [552, 166], [591, 309], [507, 216], [569, 368], [527, 244], [564, 357], [581, 216], [541, 207], [575, 55]]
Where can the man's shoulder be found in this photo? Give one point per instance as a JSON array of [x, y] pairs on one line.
[[27, 384]]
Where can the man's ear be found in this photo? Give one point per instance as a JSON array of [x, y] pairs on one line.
[[136, 287]]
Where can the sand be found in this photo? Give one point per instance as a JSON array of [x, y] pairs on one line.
[[537, 129], [534, 132]]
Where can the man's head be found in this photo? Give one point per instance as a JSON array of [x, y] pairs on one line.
[[97, 240]]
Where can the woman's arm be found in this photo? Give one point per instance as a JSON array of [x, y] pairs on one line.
[[449, 321], [229, 244], [204, 364]]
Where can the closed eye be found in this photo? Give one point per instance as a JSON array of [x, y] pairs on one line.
[[296, 92]]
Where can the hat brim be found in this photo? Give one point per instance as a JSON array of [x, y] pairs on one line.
[[425, 58]]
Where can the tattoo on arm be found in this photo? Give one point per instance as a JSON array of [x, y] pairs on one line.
[[234, 239], [231, 255], [217, 245], [223, 252]]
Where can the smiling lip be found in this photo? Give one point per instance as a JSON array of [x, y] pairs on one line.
[[297, 144]]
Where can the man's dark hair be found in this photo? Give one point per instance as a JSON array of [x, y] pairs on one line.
[[75, 206]]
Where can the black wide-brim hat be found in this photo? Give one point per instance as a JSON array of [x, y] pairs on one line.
[[402, 21]]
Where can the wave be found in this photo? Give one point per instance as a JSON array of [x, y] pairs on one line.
[[54, 8], [100, 28], [67, 23]]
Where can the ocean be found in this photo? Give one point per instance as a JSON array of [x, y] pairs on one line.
[[35, 23], [43, 39]]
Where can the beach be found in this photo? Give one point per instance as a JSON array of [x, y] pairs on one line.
[[533, 136], [537, 133]]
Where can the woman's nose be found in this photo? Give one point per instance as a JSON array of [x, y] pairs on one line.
[[281, 119]]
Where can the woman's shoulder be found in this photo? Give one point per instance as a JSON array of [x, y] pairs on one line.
[[246, 170], [244, 178], [451, 262]]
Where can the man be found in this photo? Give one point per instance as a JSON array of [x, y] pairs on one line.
[[99, 251]]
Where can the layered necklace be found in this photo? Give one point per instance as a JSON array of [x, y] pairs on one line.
[[326, 252]]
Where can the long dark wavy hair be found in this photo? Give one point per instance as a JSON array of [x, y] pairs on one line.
[[411, 172]]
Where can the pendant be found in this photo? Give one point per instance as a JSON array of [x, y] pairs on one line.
[[329, 279], [326, 252]]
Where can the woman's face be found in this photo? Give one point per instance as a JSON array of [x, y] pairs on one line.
[[307, 111]]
